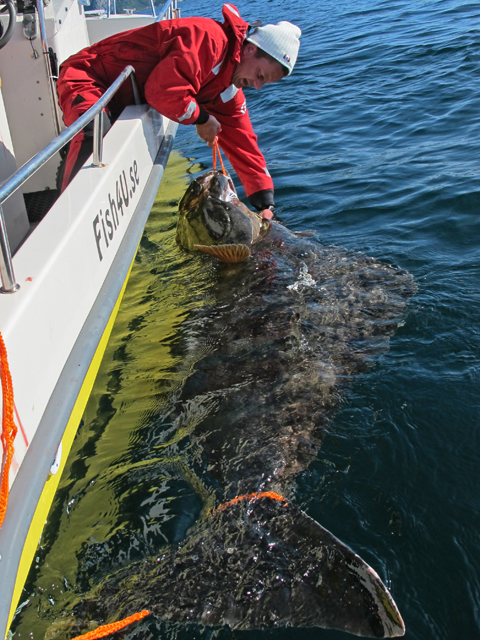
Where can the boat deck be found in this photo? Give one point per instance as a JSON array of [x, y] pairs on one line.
[[38, 203]]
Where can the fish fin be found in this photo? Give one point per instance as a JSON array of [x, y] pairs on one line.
[[226, 252]]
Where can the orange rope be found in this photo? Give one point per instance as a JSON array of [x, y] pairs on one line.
[[107, 629], [253, 496], [9, 428], [216, 149]]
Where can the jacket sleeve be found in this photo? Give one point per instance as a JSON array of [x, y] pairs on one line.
[[174, 82], [239, 142]]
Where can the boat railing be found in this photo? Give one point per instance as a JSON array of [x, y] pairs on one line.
[[51, 67], [9, 285], [167, 12]]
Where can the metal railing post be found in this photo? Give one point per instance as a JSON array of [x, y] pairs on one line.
[[165, 12], [98, 140], [136, 95], [6, 267], [51, 80]]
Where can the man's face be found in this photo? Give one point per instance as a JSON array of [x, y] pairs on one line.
[[255, 72]]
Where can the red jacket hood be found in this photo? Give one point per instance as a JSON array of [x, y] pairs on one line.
[[234, 23]]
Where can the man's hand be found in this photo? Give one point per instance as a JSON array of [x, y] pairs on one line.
[[267, 214], [209, 131]]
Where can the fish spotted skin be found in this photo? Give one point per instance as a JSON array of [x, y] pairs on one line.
[[282, 336], [289, 328]]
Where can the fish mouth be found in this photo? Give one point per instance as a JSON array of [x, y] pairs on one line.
[[219, 185], [213, 183]]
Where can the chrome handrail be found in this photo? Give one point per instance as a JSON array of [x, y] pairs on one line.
[[29, 168], [168, 11]]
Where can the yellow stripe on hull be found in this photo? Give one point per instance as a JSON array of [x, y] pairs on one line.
[[51, 485]]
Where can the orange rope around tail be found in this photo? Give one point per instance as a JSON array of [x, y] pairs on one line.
[[216, 149], [9, 428], [252, 496], [107, 629]]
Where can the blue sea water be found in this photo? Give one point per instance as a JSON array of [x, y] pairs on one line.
[[374, 143]]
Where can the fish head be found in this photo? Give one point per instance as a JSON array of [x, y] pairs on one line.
[[213, 220]]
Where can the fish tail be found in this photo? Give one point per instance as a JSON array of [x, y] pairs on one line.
[[254, 562]]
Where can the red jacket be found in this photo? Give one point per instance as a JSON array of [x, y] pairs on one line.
[[180, 65]]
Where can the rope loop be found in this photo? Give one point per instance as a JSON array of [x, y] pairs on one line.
[[216, 149], [9, 430]]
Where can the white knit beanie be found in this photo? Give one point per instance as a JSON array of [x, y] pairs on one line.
[[281, 41]]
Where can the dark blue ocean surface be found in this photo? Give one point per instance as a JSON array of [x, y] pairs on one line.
[[374, 143]]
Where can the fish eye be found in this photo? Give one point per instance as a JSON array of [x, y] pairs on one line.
[[193, 191], [196, 188]]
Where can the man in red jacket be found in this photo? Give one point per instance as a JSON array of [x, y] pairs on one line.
[[191, 70]]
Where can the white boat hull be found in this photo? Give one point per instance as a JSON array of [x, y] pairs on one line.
[[71, 272]]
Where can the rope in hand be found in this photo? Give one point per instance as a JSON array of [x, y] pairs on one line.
[[216, 149], [107, 629], [9, 430], [267, 214]]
